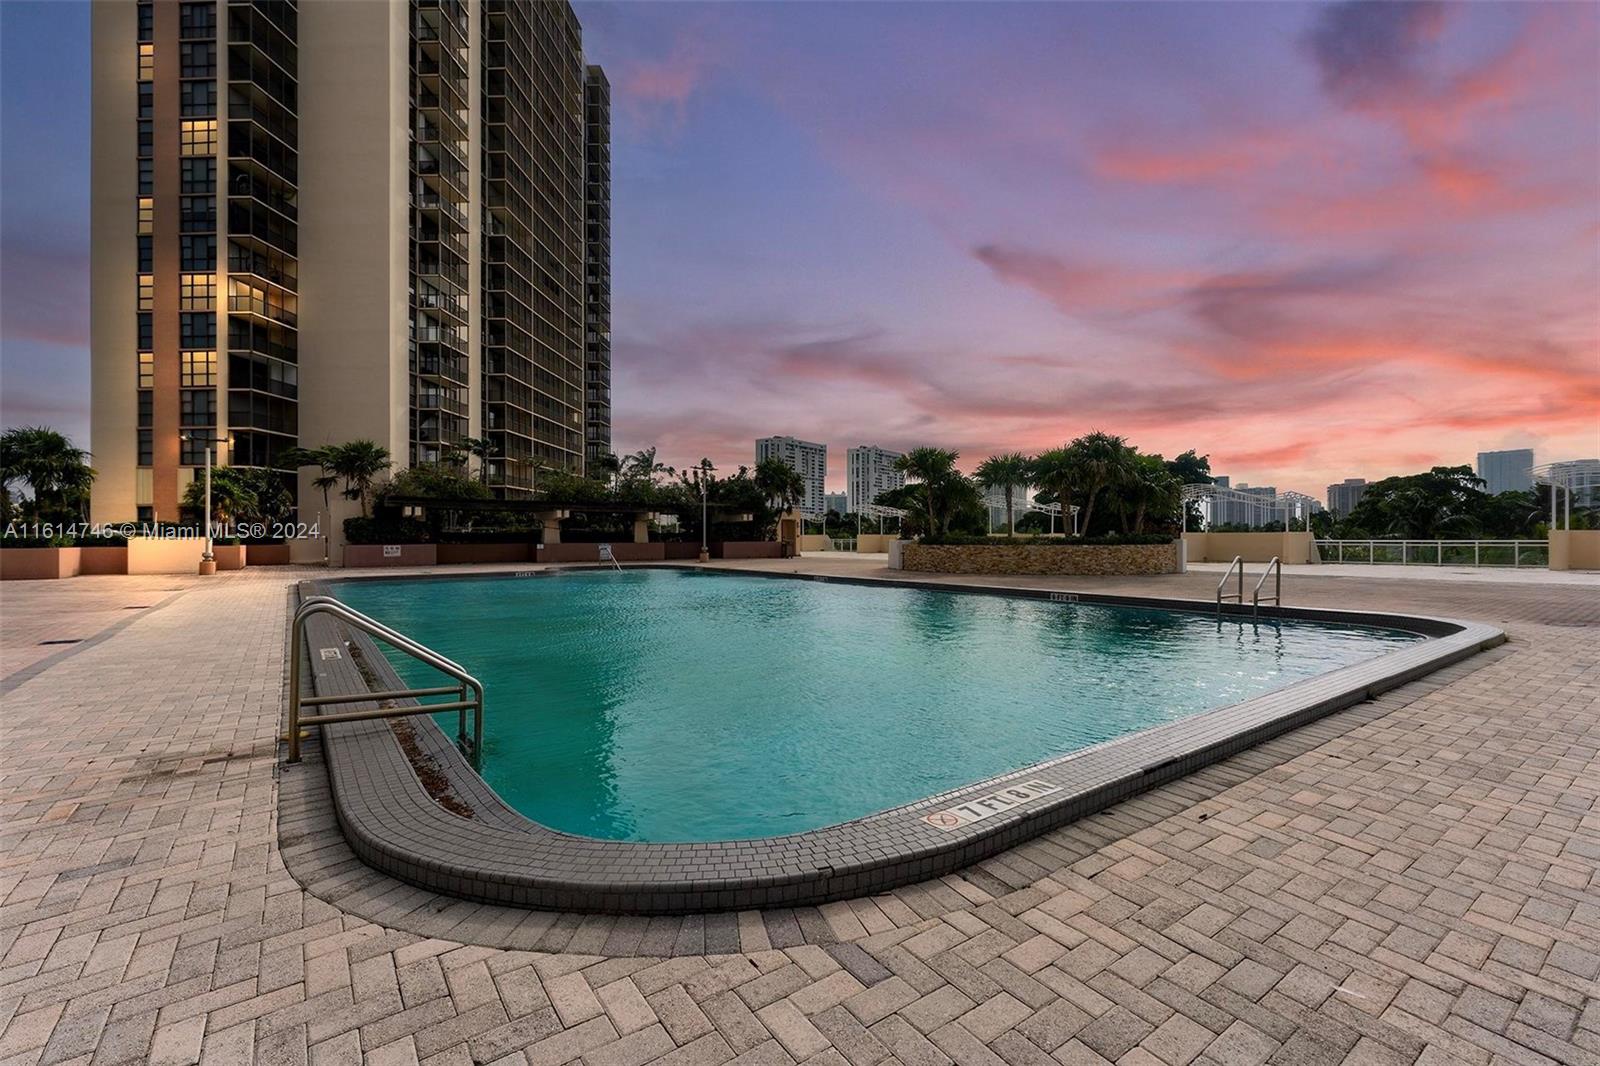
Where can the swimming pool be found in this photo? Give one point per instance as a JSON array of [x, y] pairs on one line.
[[678, 705]]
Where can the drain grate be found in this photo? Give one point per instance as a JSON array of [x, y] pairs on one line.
[[68, 640]]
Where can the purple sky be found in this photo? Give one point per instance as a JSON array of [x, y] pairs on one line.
[[1316, 241]]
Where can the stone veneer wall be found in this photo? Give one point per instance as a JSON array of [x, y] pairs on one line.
[[1086, 559]]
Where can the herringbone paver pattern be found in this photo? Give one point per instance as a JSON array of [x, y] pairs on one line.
[[1416, 880]]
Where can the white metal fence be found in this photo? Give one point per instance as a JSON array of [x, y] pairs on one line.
[[1514, 553]]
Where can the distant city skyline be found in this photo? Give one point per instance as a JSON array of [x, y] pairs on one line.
[[996, 227]]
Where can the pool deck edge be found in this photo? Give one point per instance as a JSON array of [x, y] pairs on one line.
[[498, 856]]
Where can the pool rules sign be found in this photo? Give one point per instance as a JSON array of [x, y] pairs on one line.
[[981, 807]]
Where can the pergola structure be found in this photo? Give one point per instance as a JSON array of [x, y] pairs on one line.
[[1282, 506], [1574, 477], [551, 512]]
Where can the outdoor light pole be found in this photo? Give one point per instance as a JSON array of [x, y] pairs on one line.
[[705, 528], [208, 562]]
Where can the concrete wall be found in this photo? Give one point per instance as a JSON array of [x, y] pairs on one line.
[[373, 555], [1294, 548], [485, 553], [103, 560], [622, 551], [746, 549], [38, 564], [1575, 549], [269, 555], [1084, 559], [165, 555]]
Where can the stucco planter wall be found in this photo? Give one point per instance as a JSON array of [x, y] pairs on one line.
[[266, 554], [485, 553], [165, 555], [747, 549], [38, 564], [228, 556], [408, 555], [1292, 548], [103, 560], [1575, 549], [1081, 559]]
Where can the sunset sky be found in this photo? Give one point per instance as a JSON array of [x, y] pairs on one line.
[[1314, 241]]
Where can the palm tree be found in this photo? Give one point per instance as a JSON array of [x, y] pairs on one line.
[[1101, 461], [1153, 488], [642, 466], [358, 463], [235, 494], [780, 483], [932, 467], [1056, 473], [55, 469], [609, 467], [1008, 472], [483, 448]]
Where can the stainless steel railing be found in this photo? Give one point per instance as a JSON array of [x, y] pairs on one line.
[[313, 605], [1275, 567], [1236, 597]]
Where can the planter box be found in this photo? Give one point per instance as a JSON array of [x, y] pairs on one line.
[[1292, 548], [681, 549], [1575, 549], [228, 556], [391, 555], [746, 549], [485, 553], [266, 554], [103, 560], [623, 552], [163, 555], [1072, 559], [39, 564]]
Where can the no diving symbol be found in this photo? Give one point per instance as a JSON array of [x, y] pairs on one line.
[[943, 819]]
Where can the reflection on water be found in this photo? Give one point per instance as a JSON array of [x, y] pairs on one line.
[[675, 705]]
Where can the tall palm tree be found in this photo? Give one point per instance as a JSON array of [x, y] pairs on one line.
[[642, 466], [1008, 472], [55, 469], [780, 483], [358, 463], [609, 467], [1102, 461], [483, 449], [1152, 489], [933, 467], [1056, 473]]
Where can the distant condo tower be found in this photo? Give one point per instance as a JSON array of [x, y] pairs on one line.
[[869, 470], [810, 460], [1507, 471], [432, 176], [1343, 497]]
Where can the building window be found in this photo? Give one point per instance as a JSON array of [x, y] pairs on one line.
[[198, 368], [147, 21], [147, 62], [198, 175], [146, 254], [197, 292], [197, 330], [147, 215], [147, 292], [147, 177], [197, 59], [147, 100], [147, 138], [198, 136], [147, 369], [197, 213], [197, 251], [192, 452], [197, 20], [146, 408], [145, 333], [198, 97], [197, 407], [147, 447]]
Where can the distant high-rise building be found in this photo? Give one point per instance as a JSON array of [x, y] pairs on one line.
[[869, 471], [417, 170], [994, 498], [1227, 510], [1343, 497], [810, 460], [597, 272], [838, 502], [1507, 471]]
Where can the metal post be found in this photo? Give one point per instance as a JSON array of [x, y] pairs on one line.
[[296, 630], [1552, 503], [705, 529], [208, 556], [1438, 553]]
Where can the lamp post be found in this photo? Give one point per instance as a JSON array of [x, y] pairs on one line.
[[703, 478], [208, 561]]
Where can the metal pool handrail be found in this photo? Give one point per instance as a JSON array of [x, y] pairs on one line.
[[1236, 597], [1274, 567], [328, 605]]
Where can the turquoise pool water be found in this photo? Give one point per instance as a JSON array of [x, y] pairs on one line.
[[674, 705]]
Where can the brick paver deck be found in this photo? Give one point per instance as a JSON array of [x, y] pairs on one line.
[[1415, 880]]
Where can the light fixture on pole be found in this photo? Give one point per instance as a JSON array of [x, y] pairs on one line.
[[208, 561], [703, 478]]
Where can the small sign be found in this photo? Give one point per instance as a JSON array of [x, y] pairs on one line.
[[1063, 597], [605, 554], [391, 551], [976, 810], [330, 653]]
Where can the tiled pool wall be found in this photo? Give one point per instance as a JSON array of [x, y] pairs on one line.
[[499, 856]]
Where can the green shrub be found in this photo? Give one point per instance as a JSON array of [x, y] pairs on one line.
[[385, 531]]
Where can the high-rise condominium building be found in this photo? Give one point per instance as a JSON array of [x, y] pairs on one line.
[[1507, 471], [1343, 497], [810, 460], [321, 222], [869, 470], [837, 502]]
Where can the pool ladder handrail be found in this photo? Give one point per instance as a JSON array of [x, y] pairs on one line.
[[1236, 597], [350, 616], [1274, 567]]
